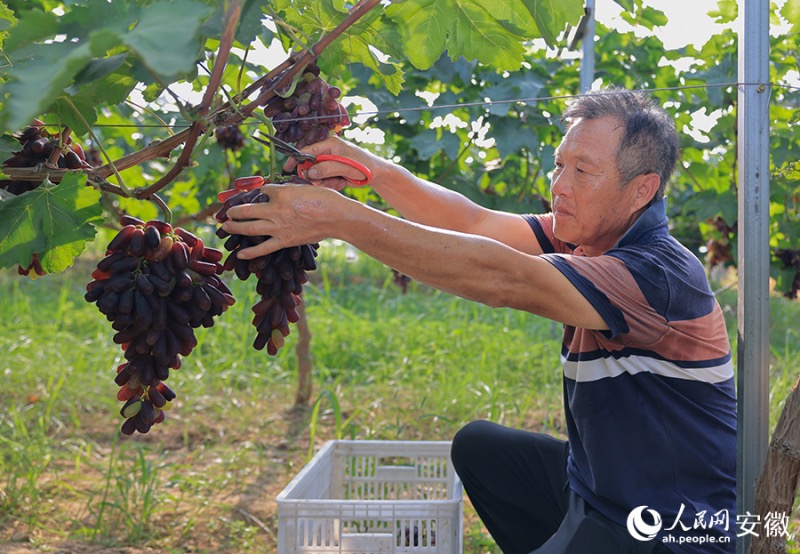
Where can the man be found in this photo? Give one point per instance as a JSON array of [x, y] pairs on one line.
[[648, 380]]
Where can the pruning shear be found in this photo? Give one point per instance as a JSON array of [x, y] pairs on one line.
[[245, 184], [307, 160]]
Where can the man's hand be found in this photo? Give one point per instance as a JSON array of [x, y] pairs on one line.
[[294, 215], [332, 174]]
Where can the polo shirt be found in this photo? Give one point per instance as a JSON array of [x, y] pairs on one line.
[[650, 403]]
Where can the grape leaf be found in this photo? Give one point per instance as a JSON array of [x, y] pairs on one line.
[[725, 12], [32, 25], [110, 90], [791, 13], [38, 78], [53, 220], [512, 16], [552, 16], [166, 47], [463, 28], [7, 19]]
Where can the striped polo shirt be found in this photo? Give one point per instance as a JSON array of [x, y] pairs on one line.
[[650, 404]]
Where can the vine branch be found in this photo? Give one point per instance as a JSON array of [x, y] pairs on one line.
[[199, 125]]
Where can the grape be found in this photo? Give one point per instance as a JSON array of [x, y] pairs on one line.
[[35, 265], [280, 275], [37, 147], [155, 285], [307, 116], [230, 137], [310, 114]]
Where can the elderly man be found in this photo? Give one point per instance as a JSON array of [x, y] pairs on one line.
[[649, 464]]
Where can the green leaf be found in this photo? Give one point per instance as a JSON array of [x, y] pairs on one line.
[[39, 79], [513, 16], [8, 145], [463, 28], [726, 12], [32, 26], [166, 37], [249, 27], [99, 68], [54, 221], [84, 104], [7, 19], [791, 13], [651, 17], [110, 90], [552, 16], [356, 48]]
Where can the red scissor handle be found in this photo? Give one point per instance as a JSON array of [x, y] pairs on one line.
[[305, 166], [242, 184]]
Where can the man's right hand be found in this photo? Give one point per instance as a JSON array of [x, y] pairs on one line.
[[331, 174]]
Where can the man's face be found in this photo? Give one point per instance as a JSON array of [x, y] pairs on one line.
[[590, 208]]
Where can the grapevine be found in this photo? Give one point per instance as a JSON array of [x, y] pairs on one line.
[[38, 147], [156, 284]]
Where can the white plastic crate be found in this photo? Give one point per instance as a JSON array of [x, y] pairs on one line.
[[371, 497]]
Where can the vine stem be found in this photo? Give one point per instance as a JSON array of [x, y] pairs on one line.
[[158, 201], [126, 191], [199, 125]]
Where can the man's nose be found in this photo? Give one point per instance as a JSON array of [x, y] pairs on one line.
[[560, 184]]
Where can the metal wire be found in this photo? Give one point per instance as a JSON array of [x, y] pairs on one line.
[[528, 100]]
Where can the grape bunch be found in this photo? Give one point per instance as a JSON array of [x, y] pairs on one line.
[[281, 275], [35, 265], [230, 137], [310, 114], [155, 285], [38, 145]]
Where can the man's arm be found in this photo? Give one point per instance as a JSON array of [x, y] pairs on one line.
[[470, 266], [422, 201]]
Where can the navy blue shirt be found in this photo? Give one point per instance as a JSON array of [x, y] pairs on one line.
[[650, 404]]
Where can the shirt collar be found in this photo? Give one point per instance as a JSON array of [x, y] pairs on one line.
[[653, 222]]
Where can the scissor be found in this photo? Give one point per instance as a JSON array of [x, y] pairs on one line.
[[244, 184], [307, 160]]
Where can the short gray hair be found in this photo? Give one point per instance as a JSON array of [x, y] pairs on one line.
[[649, 143]]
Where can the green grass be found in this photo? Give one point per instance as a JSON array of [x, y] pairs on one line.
[[387, 365]]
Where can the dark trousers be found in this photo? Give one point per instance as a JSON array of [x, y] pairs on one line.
[[517, 483]]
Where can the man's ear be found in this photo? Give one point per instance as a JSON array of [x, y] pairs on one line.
[[644, 188]]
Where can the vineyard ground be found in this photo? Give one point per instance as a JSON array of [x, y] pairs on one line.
[[387, 365]]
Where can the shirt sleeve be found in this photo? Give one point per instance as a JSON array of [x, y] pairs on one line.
[[542, 227]]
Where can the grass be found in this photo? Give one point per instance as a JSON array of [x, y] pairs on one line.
[[387, 365]]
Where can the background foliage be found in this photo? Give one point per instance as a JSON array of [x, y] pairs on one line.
[[463, 93]]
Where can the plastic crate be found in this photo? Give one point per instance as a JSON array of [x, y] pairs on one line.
[[370, 497]]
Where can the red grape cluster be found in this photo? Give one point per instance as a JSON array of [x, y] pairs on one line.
[[156, 284], [230, 137], [310, 113], [38, 145], [35, 265], [281, 275]]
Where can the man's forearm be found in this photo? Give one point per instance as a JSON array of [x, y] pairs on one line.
[[426, 202]]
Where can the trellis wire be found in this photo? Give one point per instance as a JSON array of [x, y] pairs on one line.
[[379, 112]]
